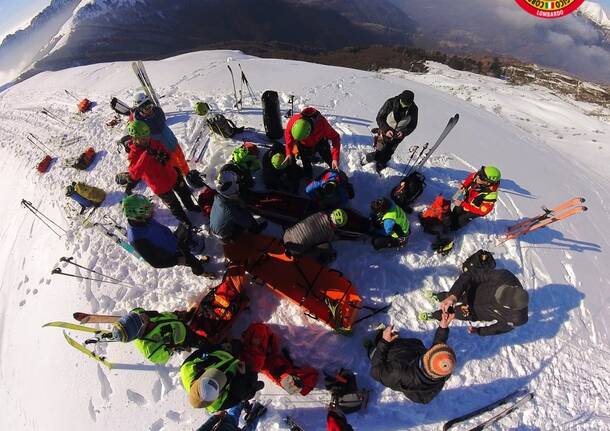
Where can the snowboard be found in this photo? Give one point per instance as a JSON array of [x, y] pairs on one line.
[[323, 293]]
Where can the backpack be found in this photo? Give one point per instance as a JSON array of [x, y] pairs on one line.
[[344, 391], [482, 259], [119, 107], [436, 216], [206, 200], [43, 166], [413, 187], [222, 126], [83, 161], [86, 196], [84, 105]]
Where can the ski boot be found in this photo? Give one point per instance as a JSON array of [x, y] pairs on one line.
[[443, 246], [431, 296]]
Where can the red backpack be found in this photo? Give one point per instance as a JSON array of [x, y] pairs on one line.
[[84, 105]]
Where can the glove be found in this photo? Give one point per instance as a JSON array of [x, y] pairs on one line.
[[122, 178]]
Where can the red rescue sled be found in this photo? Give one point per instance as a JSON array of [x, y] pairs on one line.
[[325, 294]]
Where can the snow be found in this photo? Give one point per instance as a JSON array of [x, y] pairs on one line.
[[596, 13], [547, 147]]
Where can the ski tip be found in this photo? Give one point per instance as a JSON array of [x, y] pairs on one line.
[[79, 316]]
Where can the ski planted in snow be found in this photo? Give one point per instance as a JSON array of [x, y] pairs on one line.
[[519, 397], [560, 212], [142, 75], [450, 125], [294, 426], [94, 318], [238, 101], [83, 349]]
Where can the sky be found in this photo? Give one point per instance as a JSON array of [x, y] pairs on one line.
[[15, 14]]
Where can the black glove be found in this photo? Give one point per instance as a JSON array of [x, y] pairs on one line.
[[123, 178], [161, 156]]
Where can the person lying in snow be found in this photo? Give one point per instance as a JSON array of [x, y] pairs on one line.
[[156, 243], [330, 190], [278, 175]]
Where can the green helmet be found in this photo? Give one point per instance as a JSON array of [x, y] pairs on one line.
[[240, 155], [201, 108], [137, 207], [300, 129], [277, 161], [490, 173], [339, 217], [138, 129]]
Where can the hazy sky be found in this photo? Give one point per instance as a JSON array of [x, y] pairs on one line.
[[14, 14]]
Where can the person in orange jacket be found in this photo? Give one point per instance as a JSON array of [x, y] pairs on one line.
[[310, 132], [476, 197]]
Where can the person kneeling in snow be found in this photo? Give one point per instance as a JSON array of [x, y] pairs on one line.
[[405, 365], [156, 243], [149, 161], [391, 224], [230, 217], [486, 295], [476, 196], [278, 175], [331, 189], [217, 380], [313, 236]]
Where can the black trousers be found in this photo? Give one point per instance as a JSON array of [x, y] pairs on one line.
[[170, 199], [306, 154], [381, 242], [460, 218]]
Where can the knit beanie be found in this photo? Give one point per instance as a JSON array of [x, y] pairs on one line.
[[439, 361], [129, 327]]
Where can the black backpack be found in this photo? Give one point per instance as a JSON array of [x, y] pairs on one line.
[[222, 126], [344, 391], [272, 118], [405, 196], [482, 259]]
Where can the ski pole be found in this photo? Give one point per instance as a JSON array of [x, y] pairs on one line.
[[245, 80], [58, 271], [237, 102], [72, 95], [70, 260], [53, 116], [412, 150], [34, 140], [39, 215], [419, 157]]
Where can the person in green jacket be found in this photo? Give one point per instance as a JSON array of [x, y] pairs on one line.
[[157, 335], [391, 225], [217, 380]]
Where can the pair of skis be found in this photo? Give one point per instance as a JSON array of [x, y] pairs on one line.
[[552, 215], [116, 233], [517, 398], [99, 335], [142, 75], [243, 80], [200, 144]]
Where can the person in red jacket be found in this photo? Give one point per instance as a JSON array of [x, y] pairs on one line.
[[310, 132], [476, 197], [149, 161]]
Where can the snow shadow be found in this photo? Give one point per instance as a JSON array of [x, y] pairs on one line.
[[112, 198], [549, 309], [259, 138], [177, 117], [333, 118]]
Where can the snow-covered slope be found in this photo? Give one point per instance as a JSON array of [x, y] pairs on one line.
[[596, 13], [562, 353]]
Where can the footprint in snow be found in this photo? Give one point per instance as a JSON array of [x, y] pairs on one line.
[[92, 411], [105, 388], [157, 425], [22, 303], [173, 416], [157, 390], [136, 397]]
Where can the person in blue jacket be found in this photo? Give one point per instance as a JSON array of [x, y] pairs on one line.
[[156, 243], [331, 189], [230, 217]]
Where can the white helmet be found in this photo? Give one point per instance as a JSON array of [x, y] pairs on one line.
[[209, 390], [228, 183], [140, 99]]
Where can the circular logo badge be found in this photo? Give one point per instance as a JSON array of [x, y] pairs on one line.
[[550, 9]]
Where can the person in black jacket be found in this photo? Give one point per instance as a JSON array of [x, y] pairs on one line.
[[405, 365], [486, 295], [278, 175], [156, 243], [396, 119]]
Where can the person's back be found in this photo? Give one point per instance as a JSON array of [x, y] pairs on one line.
[[155, 242], [494, 297], [315, 229]]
